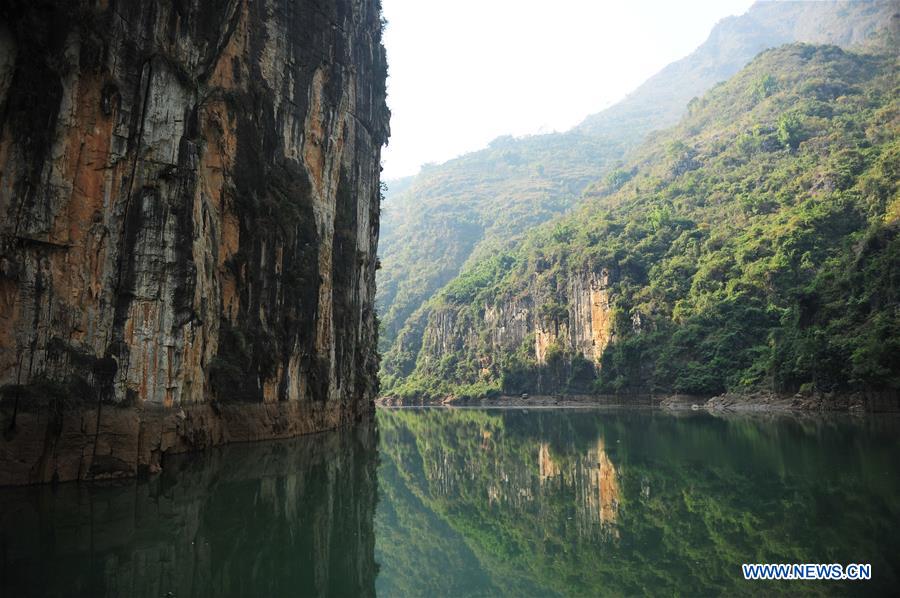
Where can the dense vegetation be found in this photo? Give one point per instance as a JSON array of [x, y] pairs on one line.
[[462, 215], [753, 246]]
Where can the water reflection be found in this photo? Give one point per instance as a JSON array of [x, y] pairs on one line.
[[478, 503], [275, 519], [568, 502]]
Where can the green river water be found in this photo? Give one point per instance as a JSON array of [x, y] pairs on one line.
[[471, 502]]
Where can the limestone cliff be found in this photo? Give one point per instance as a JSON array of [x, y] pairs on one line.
[[189, 194], [571, 317]]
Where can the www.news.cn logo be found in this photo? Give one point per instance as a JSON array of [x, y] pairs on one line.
[[807, 571]]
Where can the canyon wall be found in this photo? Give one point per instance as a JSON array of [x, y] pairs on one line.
[[189, 195]]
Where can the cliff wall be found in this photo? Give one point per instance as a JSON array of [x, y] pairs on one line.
[[189, 194], [571, 317]]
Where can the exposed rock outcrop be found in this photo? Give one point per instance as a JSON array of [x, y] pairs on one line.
[[189, 194], [575, 318]]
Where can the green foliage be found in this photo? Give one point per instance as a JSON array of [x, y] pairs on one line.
[[790, 130], [756, 243], [764, 86], [618, 177], [468, 208], [554, 311], [466, 287]]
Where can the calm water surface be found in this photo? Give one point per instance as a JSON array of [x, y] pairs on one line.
[[479, 502]]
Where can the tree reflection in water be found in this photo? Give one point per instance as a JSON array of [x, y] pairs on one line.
[[582, 502]]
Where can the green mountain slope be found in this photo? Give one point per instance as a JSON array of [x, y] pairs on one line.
[[755, 245], [481, 203]]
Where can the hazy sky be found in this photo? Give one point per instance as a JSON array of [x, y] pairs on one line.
[[463, 72]]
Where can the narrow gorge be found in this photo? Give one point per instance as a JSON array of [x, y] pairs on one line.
[[189, 194], [569, 334]]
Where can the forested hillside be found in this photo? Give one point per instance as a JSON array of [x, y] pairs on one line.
[[481, 203], [753, 246]]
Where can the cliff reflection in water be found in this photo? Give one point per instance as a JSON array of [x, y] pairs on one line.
[[581, 502], [276, 519]]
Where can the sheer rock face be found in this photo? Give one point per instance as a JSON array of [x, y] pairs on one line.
[[189, 192], [576, 317]]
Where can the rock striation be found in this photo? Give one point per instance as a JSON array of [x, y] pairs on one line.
[[189, 209], [574, 317]]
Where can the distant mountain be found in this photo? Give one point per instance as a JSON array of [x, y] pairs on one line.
[[663, 98], [476, 205]]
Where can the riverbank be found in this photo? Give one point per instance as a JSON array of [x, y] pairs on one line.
[[882, 402], [876, 402], [524, 401]]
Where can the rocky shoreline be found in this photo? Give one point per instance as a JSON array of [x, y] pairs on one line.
[[769, 402], [857, 402], [523, 401]]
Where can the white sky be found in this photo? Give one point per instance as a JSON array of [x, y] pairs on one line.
[[462, 72]]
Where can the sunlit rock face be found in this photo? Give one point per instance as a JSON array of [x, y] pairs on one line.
[[290, 518], [189, 199], [579, 324]]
